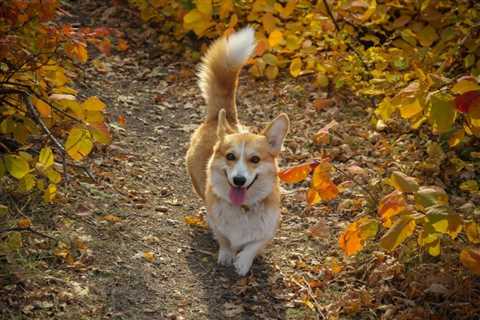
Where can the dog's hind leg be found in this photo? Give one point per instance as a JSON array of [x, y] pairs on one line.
[[244, 258]]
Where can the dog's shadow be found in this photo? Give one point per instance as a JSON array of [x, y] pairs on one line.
[[229, 295]]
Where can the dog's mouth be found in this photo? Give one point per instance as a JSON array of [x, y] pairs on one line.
[[237, 195]]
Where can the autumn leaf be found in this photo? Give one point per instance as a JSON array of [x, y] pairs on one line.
[[149, 256], [45, 159], [401, 230], [196, 221], [391, 205], [17, 166], [24, 223], [111, 218], [322, 183], [472, 230], [79, 143], [275, 38], [442, 112], [295, 67], [465, 101], [430, 196], [353, 239], [43, 108], [93, 104], [323, 136], [295, 174], [402, 182], [470, 257]]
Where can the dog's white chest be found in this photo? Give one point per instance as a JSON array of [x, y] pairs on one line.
[[242, 226]]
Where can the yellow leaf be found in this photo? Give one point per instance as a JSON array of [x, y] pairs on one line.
[[372, 7], [24, 223], [323, 135], [456, 137], [464, 85], [49, 193], [53, 176], [385, 109], [43, 108], [313, 197], [205, 6], [472, 230], [225, 8], [295, 67], [401, 230], [275, 38], [27, 183], [197, 21], [45, 159], [430, 196], [268, 22], [111, 218], [442, 112], [270, 59], [149, 256], [402, 182], [470, 257], [93, 104], [196, 221], [16, 165], [271, 72], [469, 185], [100, 132], [411, 109], [427, 36], [79, 143]]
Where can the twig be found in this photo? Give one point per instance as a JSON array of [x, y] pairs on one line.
[[29, 229], [36, 117], [369, 193], [337, 27]]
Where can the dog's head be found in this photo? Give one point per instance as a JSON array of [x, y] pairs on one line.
[[243, 168]]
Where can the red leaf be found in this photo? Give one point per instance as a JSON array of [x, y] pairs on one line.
[[464, 102]]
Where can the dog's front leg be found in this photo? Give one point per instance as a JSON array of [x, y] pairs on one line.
[[225, 253], [244, 259]]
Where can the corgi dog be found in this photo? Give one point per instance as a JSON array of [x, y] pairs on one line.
[[232, 170]]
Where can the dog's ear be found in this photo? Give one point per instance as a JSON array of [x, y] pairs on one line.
[[276, 132], [222, 124]]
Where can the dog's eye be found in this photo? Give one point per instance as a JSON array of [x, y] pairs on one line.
[[230, 156], [255, 159]]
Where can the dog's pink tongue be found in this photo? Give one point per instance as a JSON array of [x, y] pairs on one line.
[[237, 195]]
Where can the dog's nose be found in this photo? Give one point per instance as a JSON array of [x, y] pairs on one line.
[[239, 181]]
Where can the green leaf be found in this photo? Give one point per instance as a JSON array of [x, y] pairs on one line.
[[430, 196], [442, 112], [402, 182], [16, 165], [401, 230]]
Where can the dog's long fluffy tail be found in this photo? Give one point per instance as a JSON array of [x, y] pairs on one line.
[[219, 71]]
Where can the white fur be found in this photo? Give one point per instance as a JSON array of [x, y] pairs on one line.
[[247, 231], [240, 168], [240, 46]]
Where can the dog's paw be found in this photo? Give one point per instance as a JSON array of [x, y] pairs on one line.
[[243, 263], [225, 257]]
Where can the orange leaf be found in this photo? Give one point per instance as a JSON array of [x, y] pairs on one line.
[[121, 120], [391, 205], [122, 45], [353, 238], [42, 107], [323, 135], [295, 174], [313, 197], [470, 258], [24, 223], [261, 48], [322, 182], [149, 256]]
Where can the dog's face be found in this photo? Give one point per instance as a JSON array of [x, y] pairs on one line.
[[243, 167]]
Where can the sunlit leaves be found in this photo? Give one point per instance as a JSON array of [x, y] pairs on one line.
[[470, 258], [430, 196], [442, 113], [79, 143], [472, 230], [197, 21], [322, 187], [275, 38], [400, 230], [295, 67], [390, 206], [93, 104], [16, 165], [402, 182], [353, 239], [295, 174]]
